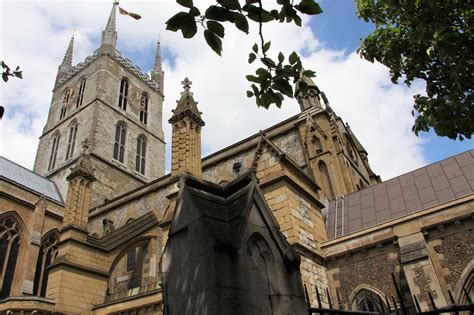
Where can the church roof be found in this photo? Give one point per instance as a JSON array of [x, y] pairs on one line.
[[426, 187], [11, 171]]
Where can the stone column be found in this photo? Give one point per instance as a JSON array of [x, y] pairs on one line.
[[419, 271]]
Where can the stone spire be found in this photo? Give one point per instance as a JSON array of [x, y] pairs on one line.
[[311, 99], [157, 74], [67, 60], [109, 34], [186, 134]]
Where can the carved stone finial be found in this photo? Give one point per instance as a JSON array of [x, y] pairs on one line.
[[187, 86]]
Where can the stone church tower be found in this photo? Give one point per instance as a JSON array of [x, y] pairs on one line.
[[110, 103]]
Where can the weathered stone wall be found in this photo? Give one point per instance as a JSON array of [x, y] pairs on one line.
[[371, 268], [452, 249]]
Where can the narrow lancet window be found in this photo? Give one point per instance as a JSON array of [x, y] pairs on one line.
[[119, 145], [80, 94], [46, 255], [140, 157], [123, 95], [144, 108], [54, 151], [9, 250], [72, 140]]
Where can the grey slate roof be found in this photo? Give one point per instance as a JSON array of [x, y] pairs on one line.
[[421, 189], [18, 174]]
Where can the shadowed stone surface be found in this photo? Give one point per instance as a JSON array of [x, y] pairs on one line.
[[226, 255]]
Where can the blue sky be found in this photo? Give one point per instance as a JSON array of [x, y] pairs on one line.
[[360, 92]]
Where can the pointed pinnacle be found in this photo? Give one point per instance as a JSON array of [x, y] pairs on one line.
[[157, 65], [67, 61], [112, 18]]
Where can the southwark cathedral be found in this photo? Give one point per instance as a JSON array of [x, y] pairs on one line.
[[291, 220]]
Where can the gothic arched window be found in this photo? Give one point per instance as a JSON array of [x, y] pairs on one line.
[[71, 140], [368, 301], [326, 180], [46, 255], [140, 154], [80, 94], [54, 151], [123, 95], [119, 145], [144, 108], [9, 250], [319, 147], [65, 103]]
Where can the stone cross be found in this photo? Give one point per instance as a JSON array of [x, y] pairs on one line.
[[186, 85]]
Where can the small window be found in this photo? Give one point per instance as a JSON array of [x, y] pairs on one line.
[[119, 145], [54, 151], [131, 259], [80, 95], [72, 140], [65, 103], [123, 95], [144, 108], [140, 157]]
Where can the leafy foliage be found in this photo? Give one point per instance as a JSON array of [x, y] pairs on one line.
[[7, 72], [271, 82], [430, 40]]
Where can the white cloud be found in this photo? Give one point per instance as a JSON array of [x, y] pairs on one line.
[[360, 92]]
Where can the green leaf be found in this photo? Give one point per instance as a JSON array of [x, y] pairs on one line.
[[219, 14], [284, 87], [281, 57], [266, 47], [185, 3], [213, 41], [252, 57], [309, 7], [231, 4], [309, 73], [293, 58], [241, 22], [252, 78], [175, 22], [5, 76], [216, 27], [254, 13], [249, 94], [297, 20], [255, 48], [268, 62], [194, 11], [189, 28]]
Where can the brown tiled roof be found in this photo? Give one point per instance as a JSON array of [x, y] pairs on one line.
[[423, 188]]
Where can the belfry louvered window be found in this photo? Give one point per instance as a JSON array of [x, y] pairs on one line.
[[144, 108], [46, 255], [9, 250], [54, 151], [119, 144], [80, 94], [140, 157], [123, 95], [71, 140]]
